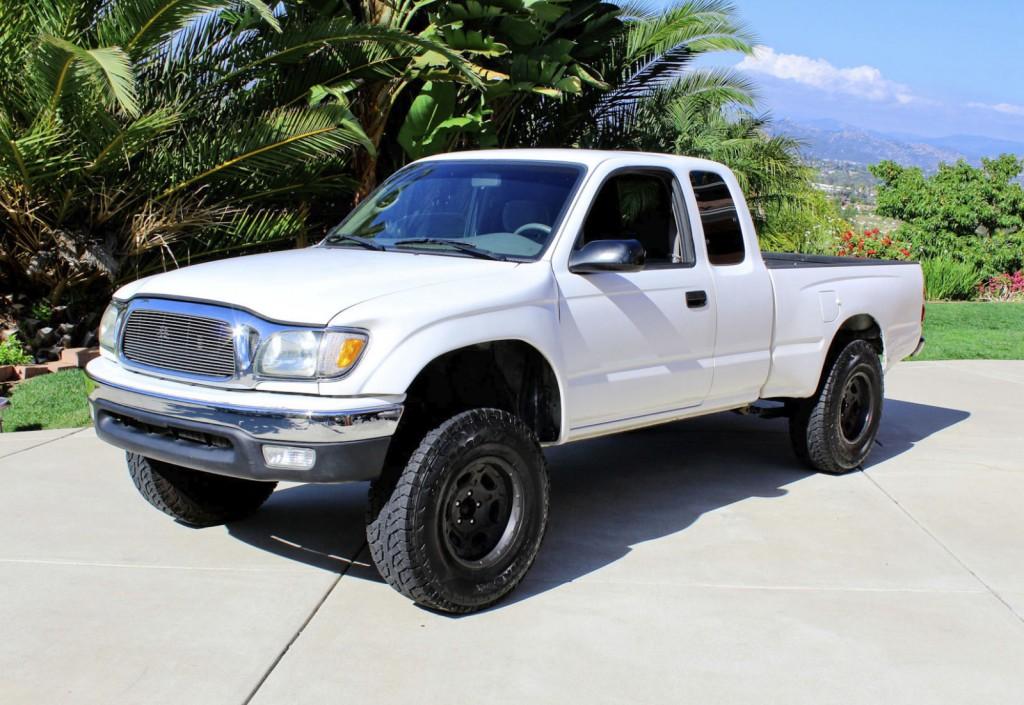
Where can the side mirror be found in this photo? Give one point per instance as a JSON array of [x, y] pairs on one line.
[[608, 256]]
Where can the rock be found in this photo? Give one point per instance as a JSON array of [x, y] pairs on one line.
[[5, 334], [58, 314], [65, 341], [66, 328], [29, 326], [90, 339], [43, 336]]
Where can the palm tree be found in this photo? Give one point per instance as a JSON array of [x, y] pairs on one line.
[[140, 134], [646, 59], [419, 102], [658, 101]]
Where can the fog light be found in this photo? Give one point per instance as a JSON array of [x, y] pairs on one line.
[[289, 457]]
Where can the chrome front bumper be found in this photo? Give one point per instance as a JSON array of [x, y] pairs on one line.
[[350, 440]]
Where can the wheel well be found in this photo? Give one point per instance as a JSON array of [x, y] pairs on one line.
[[859, 327], [506, 374]]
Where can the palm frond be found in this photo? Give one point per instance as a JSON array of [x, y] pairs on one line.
[[35, 156], [297, 44], [64, 65], [139, 25], [137, 135], [276, 141], [702, 25]]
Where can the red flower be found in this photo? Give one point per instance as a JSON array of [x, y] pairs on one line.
[[905, 251], [872, 252]]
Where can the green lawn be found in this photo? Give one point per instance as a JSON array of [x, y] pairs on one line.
[[58, 400], [974, 331]]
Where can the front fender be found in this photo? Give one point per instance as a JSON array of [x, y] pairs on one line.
[[411, 329]]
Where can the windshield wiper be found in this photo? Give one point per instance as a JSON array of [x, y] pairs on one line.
[[455, 245], [341, 237]]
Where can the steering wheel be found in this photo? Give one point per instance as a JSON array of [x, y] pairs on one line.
[[542, 230]]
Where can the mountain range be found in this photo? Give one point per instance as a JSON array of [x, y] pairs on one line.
[[829, 140]]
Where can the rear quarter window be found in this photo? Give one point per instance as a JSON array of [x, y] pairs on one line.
[[719, 218]]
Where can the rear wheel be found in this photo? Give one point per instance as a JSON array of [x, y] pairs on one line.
[[463, 522], [194, 497], [835, 430]]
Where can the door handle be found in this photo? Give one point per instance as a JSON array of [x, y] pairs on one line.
[[696, 299]]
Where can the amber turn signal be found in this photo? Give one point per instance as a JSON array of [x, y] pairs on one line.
[[349, 352]]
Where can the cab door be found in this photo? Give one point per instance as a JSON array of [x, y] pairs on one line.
[[642, 342]]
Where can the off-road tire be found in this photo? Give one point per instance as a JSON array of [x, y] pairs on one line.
[[193, 497], [815, 426], [407, 514]]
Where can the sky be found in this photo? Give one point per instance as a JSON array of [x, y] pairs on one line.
[[910, 67]]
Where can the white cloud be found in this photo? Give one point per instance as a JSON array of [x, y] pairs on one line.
[[860, 81], [1005, 108]]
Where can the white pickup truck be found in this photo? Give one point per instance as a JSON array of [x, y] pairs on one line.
[[475, 308]]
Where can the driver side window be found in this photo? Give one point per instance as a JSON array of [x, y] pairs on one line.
[[637, 206]]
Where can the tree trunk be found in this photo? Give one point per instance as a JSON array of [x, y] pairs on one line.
[[373, 115]]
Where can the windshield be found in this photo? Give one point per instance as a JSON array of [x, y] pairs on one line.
[[497, 210]]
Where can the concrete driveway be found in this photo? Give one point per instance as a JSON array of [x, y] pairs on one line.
[[694, 562]]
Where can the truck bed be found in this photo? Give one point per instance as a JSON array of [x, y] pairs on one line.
[[815, 295], [789, 260]]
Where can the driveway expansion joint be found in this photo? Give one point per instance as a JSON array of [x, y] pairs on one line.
[[71, 432], [991, 590], [302, 627]]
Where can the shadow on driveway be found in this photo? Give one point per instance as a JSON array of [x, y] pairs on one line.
[[607, 494]]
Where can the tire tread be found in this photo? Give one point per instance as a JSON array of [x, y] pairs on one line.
[[394, 532], [193, 497], [812, 435]]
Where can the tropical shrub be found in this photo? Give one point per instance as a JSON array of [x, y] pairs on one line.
[[949, 279], [964, 213], [140, 135], [12, 352], [989, 254], [1002, 287], [806, 221], [134, 136]]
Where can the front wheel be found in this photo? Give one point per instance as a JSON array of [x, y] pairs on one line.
[[835, 430], [193, 497], [463, 522]]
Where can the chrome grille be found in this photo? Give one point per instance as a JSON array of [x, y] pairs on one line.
[[179, 342]]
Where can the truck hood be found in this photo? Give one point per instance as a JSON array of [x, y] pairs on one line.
[[312, 285]]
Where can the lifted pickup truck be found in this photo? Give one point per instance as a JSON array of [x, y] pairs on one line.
[[475, 308]]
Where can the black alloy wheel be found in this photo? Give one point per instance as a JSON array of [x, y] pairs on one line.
[[483, 511]]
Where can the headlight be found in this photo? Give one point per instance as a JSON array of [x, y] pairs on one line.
[[308, 354], [108, 327]]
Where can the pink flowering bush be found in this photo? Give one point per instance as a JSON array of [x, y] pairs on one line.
[[1002, 287]]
